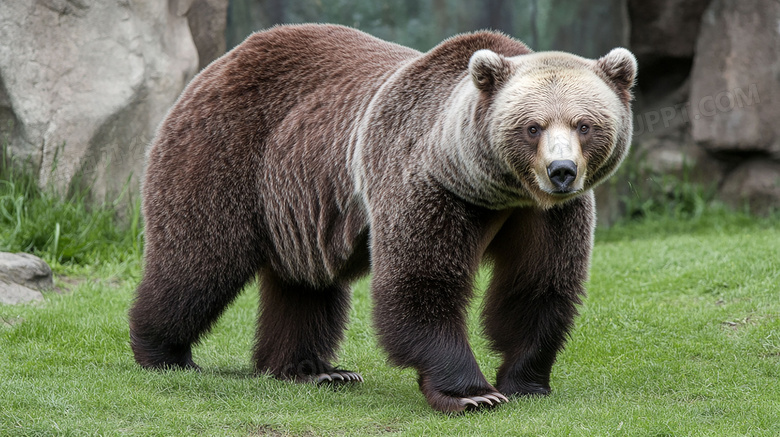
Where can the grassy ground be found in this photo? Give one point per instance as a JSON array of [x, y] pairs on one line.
[[680, 335]]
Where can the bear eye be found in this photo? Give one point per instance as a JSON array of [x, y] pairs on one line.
[[533, 130], [583, 128]]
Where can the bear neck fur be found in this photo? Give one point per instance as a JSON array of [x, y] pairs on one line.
[[453, 149]]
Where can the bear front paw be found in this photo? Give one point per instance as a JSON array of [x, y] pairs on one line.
[[486, 397]]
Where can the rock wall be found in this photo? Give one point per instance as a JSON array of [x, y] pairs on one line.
[[84, 83], [735, 98], [708, 98]]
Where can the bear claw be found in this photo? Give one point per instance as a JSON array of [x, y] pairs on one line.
[[452, 402], [465, 402], [496, 397], [482, 400], [490, 399], [338, 377]]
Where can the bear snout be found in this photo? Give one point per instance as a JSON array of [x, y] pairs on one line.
[[562, 174]]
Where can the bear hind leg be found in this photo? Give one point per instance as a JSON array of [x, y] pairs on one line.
[[299, 329], [176, 306], [150, 350]]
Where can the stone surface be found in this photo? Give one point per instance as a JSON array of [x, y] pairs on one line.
[[207, 20], [14, 294], [665, 28], [22, 277], [84, 83], [735, 81], [755, 184], [663, 143], [25, 269]]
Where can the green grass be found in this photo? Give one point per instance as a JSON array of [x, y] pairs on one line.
[[680, 335], [64, 229]]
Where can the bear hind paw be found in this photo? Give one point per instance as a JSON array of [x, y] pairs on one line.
[[320, 374], [514, 388], [160, 356]]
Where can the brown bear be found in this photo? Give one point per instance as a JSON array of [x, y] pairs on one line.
[[311, 154]]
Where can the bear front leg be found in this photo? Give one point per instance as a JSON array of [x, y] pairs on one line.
[[424, 259], [541, 261]]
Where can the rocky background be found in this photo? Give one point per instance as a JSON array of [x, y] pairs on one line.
[[83, 83]]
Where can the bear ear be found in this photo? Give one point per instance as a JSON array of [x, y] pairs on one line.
[[488, 69], [620, 68]]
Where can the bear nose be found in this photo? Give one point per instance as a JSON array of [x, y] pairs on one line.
[[562, 174]]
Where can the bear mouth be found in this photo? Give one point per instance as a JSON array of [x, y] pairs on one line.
[[561, 192], [559, 195]]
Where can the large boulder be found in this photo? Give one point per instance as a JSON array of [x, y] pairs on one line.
[[84, 83], [735, 82]]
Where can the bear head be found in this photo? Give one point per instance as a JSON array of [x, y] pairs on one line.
[[558, 122]]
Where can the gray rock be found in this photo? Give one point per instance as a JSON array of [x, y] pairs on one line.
[[22, 277], [735, 81], [14, 294], [665, 28], [207, 20], [84, 83], [663, 144], [26, 270], [755, 184]]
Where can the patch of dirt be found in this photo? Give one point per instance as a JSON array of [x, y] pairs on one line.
[[65, 284], [268, 430], [736, 324]]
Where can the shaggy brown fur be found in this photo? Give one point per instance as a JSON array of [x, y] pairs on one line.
[[309, 150]]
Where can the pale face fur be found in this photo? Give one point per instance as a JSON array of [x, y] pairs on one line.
[[552, 112]]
